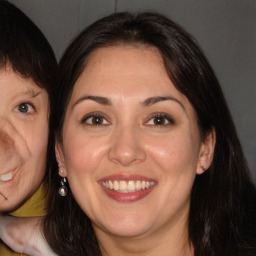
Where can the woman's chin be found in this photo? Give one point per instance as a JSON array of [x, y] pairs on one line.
[[126, 228]]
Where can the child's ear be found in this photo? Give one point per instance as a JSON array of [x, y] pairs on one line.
[[206, 152], [60, 159]]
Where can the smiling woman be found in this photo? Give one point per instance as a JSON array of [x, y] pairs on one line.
[[107, 149], [27, 72], [148, 147]]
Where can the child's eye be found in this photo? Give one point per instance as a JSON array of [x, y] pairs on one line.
[[95, 119], [160, 120], [25, 108]]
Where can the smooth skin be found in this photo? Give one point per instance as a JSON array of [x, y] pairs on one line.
[[24, 113], [125, 117]]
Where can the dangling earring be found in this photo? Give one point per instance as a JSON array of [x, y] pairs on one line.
[[63, 189]]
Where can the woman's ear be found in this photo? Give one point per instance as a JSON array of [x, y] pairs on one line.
[[60, 159], [206, 152]]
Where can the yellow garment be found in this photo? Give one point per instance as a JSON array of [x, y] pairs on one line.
[[33, 207]]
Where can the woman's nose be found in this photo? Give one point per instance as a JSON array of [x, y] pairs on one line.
[[127, 147]]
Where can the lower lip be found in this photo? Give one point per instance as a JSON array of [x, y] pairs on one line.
[[127, 197]]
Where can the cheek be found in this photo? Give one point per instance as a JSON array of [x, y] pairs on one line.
[[83, 154], [37, 139], [174, 160], [175, 155]]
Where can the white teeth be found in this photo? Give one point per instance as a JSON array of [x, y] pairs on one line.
[[138, 185], [123, 186], [110, 184], [116, 185], [131, 185], [6, 177]]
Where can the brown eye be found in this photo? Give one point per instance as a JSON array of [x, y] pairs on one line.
[[95, 120], [160, 119]]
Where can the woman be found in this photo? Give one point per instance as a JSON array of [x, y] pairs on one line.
[[148, 146], [27, 75]]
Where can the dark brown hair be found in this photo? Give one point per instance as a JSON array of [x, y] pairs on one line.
[[27, 51], [223, 199]]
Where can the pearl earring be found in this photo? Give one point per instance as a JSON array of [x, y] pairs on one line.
[[63, 189]]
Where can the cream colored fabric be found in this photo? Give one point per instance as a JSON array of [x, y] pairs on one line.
[[34, 207]]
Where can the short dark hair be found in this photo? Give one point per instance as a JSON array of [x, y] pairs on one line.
[[223, 199], [24, 47]]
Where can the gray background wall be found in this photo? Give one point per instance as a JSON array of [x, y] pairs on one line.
[[225, 29]]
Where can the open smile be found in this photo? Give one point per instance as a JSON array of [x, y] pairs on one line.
[[125, 188]]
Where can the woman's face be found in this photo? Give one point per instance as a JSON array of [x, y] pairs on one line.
[[131, 145], [24, 111]]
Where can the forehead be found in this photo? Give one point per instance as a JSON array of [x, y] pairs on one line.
[[127, 70], [126, 60], [122, 66]]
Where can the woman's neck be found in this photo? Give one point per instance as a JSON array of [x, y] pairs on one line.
[[165, 242]]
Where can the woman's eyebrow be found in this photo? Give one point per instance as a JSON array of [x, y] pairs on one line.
[[153, 100], [98, 99], [148, 102]]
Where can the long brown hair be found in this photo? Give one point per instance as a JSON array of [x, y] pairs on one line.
[[223, 199]]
